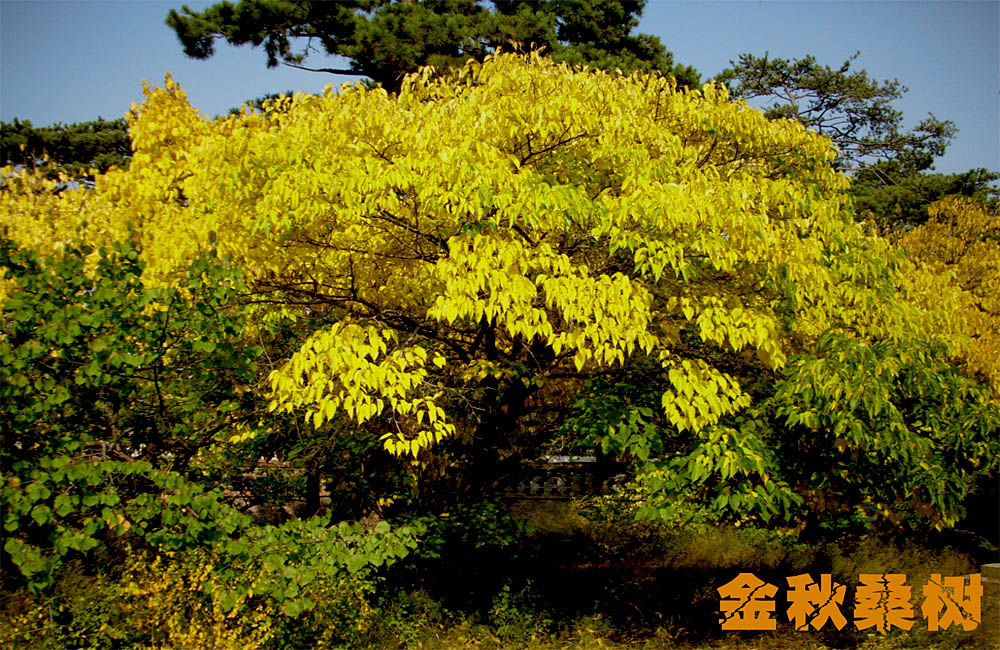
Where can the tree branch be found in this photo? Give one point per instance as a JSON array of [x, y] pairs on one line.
[[345, 71]]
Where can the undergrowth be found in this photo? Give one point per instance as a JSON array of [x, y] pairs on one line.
[[581, 577]]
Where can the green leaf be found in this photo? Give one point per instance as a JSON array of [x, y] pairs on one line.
[[64, 505], [41, 514]]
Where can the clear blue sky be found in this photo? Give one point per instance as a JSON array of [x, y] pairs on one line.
[[72, 61]]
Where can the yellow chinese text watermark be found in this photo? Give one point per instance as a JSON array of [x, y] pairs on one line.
[[881, 602]]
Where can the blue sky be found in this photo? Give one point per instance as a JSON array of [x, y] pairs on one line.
[[72, 61]]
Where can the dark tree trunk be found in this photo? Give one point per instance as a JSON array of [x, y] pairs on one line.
[[313, 486]]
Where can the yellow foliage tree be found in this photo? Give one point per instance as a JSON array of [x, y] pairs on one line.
[[958, 249], [481, 244]]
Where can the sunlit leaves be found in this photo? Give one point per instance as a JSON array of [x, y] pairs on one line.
[[350, 369], [957, 253], [534, 292], [700, 395]]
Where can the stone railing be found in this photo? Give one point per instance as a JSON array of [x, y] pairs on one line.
[[565, 477]]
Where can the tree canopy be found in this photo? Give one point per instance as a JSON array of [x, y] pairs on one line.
[[485, 256], [384, 40], [72, 149], [890, 168], [894, 198], [851, 108]]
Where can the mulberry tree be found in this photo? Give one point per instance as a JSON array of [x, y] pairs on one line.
[[520, 248]]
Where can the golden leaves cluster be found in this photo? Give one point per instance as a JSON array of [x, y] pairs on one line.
[[956, 278], [351, 370]]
